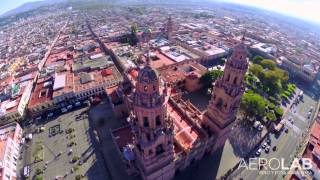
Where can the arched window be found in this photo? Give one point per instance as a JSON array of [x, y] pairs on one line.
[[219, 103], [158, 120], [228, 77], [148, 137], [235, 80], [145, 122], [159, 149]]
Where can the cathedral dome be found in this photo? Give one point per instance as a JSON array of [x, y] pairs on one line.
[[147, 75]]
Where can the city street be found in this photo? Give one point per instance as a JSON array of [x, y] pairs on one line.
[[286, 143]]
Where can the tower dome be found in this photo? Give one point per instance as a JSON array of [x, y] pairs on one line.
[[147, 75]]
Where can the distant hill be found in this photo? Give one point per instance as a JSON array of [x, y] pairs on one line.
[[30, 6], [36, 4]]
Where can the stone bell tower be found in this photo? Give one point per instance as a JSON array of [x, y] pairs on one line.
[[169, 28], [152, 126], [226, 95]]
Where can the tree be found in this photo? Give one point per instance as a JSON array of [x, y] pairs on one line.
[[256, 69], [253, 104], [268, 63], [209, 77], [133, 39], [272, 81], [271, 116], [278, 112], [282, 75], [257, 59], [38, 177]]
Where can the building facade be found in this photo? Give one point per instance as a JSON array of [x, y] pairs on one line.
[[226, 95], [152, 127], [166, 133], [10, 138]]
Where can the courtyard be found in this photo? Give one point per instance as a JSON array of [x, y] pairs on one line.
[[64, 147]]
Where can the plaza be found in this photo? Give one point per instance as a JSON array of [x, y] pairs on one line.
[[65, 147]]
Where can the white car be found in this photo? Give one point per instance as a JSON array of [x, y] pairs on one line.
[[264, 145], [77, 103], [38, 118], [258, 152], [69, 107], [63, 110]]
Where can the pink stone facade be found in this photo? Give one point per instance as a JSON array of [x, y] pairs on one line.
[[166, 133], [226, 95]]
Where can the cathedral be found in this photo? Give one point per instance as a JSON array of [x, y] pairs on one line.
[[166, 133]]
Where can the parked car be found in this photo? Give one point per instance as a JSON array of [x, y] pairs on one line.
[[38, 118], [29, 136], [267, 149], [77, 104], [258, 153], [50, 115], [64, 110], [69, 107], [264, 145], [268, 141]]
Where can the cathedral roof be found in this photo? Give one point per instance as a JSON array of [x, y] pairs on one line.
[[147, 75]]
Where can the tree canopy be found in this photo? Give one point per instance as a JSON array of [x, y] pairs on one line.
[[268, 64], [257, 59], [256, 69], [253, 104], [209, 77], [271, 116]]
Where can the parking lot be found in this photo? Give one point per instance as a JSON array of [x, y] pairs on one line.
[[63, 146]]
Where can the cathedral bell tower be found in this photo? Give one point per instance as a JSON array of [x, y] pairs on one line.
[[169, 28], [226, 95], [152, 126]]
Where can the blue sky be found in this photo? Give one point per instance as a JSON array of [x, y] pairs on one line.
[[6, 5]]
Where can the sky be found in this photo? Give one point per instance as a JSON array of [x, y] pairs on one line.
[[6, 5], [303, 9]]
